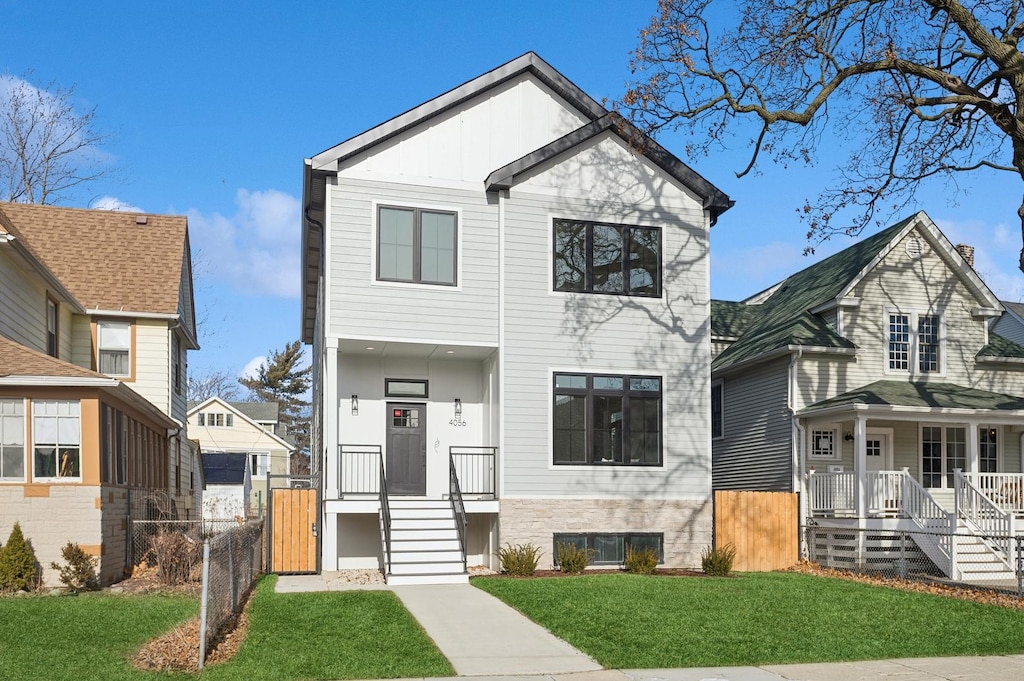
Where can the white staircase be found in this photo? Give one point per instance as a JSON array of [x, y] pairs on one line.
[[977, 560], [425, 545]]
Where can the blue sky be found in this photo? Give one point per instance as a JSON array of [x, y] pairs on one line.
[[214, 105]]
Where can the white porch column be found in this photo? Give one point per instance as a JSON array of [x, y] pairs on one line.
[[860, 463], [329, 468], [972, 448]]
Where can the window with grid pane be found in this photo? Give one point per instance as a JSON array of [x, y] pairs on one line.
[[416, 245], [12, 439], [57, 437], [610, 548], [899, 342], [928, 343], [606, 419]]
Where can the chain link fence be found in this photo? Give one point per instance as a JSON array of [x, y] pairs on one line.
[[232, 561], [992, 562]]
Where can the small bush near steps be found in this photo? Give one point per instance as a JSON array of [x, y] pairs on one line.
[[78, 573], [642, 561], [572, 559], [717, 561], [19, 570], [519, 560]]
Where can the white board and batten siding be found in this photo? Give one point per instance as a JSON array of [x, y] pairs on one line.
[[755, 452], [362, 307], [545, 331]]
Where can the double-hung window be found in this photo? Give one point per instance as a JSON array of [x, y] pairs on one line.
[[915, 343], [416, 245], [52, 328], [12, 440], [57, 439], [115, 342], [606, 420], [595, 257]]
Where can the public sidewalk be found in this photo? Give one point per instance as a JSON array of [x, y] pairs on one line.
[[483, 637]]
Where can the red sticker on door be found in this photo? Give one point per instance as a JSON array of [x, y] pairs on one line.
[[398, 413]]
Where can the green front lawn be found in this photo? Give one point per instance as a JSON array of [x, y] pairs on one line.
[[631, 621], [341, 635]]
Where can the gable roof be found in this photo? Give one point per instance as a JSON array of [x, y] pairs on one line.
[[133, 262], [258, 411], [787, 314], [240, 412], [220, 468]]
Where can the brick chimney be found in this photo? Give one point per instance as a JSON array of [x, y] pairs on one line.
[[967, 252]]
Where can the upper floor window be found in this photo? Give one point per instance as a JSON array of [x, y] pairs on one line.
[[176, 363], [594, 257], [717, 415], [115, 342], [57, 439], [416, 245], [216, 419], [915, 342], [52, 330], [607, 420], [12, 440]]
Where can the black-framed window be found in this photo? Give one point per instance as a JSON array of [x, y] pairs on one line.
[[406, 387], [610, 548], [605, 419], [417, 245], [596, 257], [717, 415]]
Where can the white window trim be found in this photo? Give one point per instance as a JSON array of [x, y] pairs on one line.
[[837, 443], [26, 446], [264, 453], [99, 345], [459, 229], [913, 360], [721, 385], [943, 443], [32, 458]]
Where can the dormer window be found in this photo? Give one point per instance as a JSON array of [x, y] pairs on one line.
[[915, 343]]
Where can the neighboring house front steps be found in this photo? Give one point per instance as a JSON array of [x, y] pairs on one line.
[[425, 547], [968, 532]]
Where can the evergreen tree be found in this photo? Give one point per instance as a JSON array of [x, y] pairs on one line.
[[18, 568], [280, 379]]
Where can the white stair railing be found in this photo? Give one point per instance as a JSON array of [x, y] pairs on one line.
[[984, 519], [935, 526], [1005, 490]]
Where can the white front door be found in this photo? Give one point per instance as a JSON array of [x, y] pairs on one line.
[[881, 489], [879, 454]]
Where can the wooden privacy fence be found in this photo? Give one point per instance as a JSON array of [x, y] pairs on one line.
[[761, 525], [293, 517]]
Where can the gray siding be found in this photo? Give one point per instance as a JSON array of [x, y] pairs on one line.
[[359, 306], [546, 331], [1008, 327], [756, 450]]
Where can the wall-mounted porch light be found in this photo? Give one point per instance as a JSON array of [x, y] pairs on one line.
[[848, 437], [355, 405], [458, 407]]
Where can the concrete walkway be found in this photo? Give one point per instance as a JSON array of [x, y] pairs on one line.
[[481, 636]]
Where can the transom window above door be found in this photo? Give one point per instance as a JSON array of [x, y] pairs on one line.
[[594, 257], [416, 245]]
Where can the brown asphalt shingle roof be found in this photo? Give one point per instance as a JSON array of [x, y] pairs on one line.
[[17, 360], [106, 259]]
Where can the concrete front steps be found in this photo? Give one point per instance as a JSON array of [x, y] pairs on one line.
[[424, 543]]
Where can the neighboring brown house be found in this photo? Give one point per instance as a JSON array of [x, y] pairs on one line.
[[95, 322]]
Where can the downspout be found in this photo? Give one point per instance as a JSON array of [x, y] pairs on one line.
[[798, 434]]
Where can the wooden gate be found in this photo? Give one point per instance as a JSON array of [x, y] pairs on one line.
[[294, 514], [761, 525]]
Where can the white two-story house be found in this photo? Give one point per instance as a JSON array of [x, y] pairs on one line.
[[506, 290], [874, 384]]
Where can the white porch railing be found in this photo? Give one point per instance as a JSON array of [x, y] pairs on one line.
[[985, 517], [1005, 490], [833, 493]]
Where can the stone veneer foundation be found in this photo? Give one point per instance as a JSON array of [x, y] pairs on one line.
[[687, 525]]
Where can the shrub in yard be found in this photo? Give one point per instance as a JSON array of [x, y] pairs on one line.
[[717, 561], [176, 554], [641, 561], [572, 558], [519, 560], [18, 567], [78, 573]]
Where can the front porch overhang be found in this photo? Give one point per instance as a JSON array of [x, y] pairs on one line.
[[919, 401]]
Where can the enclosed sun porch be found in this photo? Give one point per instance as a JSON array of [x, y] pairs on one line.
[[937, 460], [411, 483]]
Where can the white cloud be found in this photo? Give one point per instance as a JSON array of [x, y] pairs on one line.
[[251, 367], [114, 203], [256, 250]]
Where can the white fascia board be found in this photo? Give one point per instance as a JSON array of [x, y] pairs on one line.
[[782, 352], [986, 312], [896, 412], [59, 381], [99, 312], [843, 303], [999, 360]]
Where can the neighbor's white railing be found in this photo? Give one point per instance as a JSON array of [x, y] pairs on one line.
[[885, 491], [1005, 490], [832, 492], [984, 517]]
